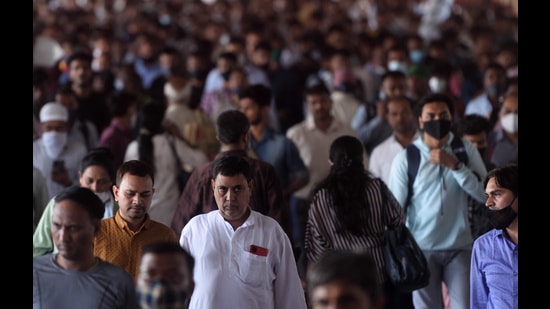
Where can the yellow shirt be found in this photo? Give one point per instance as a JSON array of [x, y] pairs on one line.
[[117, 244]]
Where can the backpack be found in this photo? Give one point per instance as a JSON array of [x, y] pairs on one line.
[[479, 222]]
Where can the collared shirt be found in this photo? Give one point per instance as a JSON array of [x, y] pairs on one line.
[[382, 156], [228, 275], [282, 153], [494, 272], [198, 198], [314, 147], [116, 243], [438, 213], [504, 151], [479, 105]]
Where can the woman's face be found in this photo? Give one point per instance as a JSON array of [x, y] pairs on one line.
[[96, 178]]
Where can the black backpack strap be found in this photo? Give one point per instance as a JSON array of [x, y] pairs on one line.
[[413, 161], [458, 149]]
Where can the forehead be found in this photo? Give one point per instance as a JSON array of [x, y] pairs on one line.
[[69, 210], [137, 183], [230, 180], [167, 260], [510, 103], [435, 107]]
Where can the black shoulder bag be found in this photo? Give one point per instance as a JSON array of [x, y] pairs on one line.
[[405, 263]]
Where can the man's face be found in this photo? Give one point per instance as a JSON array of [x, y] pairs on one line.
[[394, 87], [400, 115], [480, 140], [72, 230], [80, 72], [434, 111], [134, 196], [252, 111], [170, 267], [340, 294], [319, 105], [499, 198], [232, 194]]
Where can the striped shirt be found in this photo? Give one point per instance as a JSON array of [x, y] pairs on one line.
[[322, 225]]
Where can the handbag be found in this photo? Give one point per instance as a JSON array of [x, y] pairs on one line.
[[182, 173], [405, 264]]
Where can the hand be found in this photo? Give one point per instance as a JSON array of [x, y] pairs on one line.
[[61, 175], [443, 158]]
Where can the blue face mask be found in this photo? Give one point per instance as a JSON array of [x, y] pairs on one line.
[[417, 56]]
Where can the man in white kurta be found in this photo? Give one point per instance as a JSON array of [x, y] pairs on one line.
[[243, 259]]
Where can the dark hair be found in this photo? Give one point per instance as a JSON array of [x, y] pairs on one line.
[[135, 167], [150, 124], [231, 166], [505, 177], [473, 124], [346, 182], [231, 125], [356, 268], [258, 93], [317, 88], [80, 55], [169, 247], [433, 98], [393, 74], [85, 198], [119, 103], [100, 156]]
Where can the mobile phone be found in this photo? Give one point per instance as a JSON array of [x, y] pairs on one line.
[[59, 164]]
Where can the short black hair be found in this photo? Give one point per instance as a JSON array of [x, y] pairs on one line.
[[357, 268], [231, 165], [100, 156], [80, 55], [231, 125], [436, 97], [169, 247], [258, 93], [473, 124], [506, 176], [85, 198], [135, 167]]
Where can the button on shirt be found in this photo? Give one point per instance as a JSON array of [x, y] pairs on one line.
[[227, 275]]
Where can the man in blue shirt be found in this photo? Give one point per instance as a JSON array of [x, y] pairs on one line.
[[272, 147], [494, 264], [437, 213]]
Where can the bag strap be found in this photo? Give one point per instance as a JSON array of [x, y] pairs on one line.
[[174, 152]]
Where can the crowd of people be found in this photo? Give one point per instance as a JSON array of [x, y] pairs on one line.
[[295, 121]]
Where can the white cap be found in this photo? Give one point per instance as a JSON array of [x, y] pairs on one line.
[[54, 111]]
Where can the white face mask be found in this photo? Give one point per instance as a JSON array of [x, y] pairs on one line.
[[509, 123], [104, 196], [437, 84], [54, 142], [395, 65]]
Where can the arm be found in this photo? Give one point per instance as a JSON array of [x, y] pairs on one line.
[[42, 238]]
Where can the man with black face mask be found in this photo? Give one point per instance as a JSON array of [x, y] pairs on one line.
[[494, 264], [437, 213]]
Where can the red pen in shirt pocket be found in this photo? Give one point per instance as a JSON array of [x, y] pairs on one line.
[[261, 251]]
